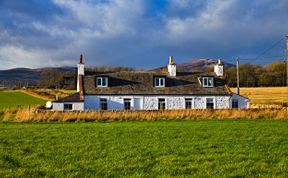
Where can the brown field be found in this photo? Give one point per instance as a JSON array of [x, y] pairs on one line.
[[26, 115], [265, 95], [46, 94]]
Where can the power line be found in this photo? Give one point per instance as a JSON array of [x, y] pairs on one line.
[[268, 49], [267, 58]]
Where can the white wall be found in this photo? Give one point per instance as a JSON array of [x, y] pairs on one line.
[[222, 102], [242, 101], [151, 102], [79, 106], [91, 102]]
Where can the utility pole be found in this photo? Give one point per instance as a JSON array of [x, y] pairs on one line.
[[286, 59], [238, 86], [287, 64]]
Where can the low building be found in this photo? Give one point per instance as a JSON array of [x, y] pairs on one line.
[[151, 90]]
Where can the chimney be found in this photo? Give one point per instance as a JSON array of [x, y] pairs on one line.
[[80, 75], [218, 68], [171, 67]]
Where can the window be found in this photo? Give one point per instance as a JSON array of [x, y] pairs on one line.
[[235, 103], [209, 103], [102, 81], [159, 81], [127, 104], [68, 107], [161, 104], [188, 103], [103, 104], [207, 81]]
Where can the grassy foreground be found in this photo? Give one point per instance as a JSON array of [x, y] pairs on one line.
[[145, 149], [17, 99]]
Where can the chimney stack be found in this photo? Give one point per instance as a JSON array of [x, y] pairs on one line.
[[171, 67], [219, 68], [80, 75]]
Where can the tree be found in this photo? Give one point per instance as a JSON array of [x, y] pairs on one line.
[[52, 78], [277, 70]]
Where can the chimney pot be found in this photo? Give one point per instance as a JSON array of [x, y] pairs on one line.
[[219, 61], [171, 67], [81, 58]]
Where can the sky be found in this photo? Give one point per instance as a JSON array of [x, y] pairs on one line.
[[139, 33]]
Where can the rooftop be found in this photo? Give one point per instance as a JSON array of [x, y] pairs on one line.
[[141, 83]]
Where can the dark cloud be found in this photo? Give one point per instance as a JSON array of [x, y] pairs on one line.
[[140, 33]]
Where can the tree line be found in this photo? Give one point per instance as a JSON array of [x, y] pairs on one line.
[[252, 75]]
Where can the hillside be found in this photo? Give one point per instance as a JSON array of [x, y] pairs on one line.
[[198, 64], [18, 77]]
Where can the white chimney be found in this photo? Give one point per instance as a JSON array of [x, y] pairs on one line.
[[218, 68], [80, 74], [171, 67]]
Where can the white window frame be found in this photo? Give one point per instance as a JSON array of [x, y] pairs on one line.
[[102, 79], [192, 102], [159, 81], [69, 109], [233, 101], [165, 102], [100, 103], [208, 85], [214, 102], [127, 100]]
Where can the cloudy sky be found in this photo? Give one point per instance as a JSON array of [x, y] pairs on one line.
[[139, 33]]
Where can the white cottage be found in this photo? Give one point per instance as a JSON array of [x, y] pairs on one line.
[[151, 90]]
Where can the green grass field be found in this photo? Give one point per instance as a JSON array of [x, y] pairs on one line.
[[234, 148], [17, 99]]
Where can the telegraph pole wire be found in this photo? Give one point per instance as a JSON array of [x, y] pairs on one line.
[[268, 49]]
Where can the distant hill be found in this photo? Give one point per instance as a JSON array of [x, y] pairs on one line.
[[198, 64], [18, 77], [201, 63]]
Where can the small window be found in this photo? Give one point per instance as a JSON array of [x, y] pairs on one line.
[[235, 103], [68, 107], [127, 104], [103, 104], [188, 103], [208, 81], [159, 81], [161, 104], [102, 81], [209, 103]]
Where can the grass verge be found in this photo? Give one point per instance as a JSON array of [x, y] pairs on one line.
[[30, 115]]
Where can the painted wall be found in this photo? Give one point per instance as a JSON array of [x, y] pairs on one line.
[[242, 101], [151, 102], [75, 106]]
